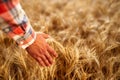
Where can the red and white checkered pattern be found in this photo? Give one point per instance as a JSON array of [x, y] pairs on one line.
[[14, 22]]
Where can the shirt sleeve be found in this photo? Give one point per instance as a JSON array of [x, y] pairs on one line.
[[14, 22]]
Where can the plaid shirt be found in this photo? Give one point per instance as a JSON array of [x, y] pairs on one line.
[[14, 22]]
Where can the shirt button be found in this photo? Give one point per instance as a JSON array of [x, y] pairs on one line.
[[21, 42], [7, 30]]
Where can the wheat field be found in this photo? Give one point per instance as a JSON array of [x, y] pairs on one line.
[[85, 34]]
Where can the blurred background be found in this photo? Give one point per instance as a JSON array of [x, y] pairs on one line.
[[86, 36]]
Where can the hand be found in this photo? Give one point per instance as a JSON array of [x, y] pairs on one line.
[[41, 51]]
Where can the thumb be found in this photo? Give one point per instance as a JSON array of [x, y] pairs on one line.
[[46, 36]]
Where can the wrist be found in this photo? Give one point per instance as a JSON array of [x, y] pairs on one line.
[[28, 39]]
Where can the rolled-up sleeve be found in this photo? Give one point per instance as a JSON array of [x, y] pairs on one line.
[[14, 22]]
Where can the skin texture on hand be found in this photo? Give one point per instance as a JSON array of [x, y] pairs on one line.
[[41, 51]]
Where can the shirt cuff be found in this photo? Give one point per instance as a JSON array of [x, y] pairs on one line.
[[24, 46], [28, 39]]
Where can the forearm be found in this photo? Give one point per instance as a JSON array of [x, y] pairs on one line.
[[14, 22]]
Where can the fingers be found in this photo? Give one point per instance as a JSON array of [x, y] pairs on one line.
[[40, 61], [41, 51], [49, 57], [45, 60], [51, 51], [43, 35]]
